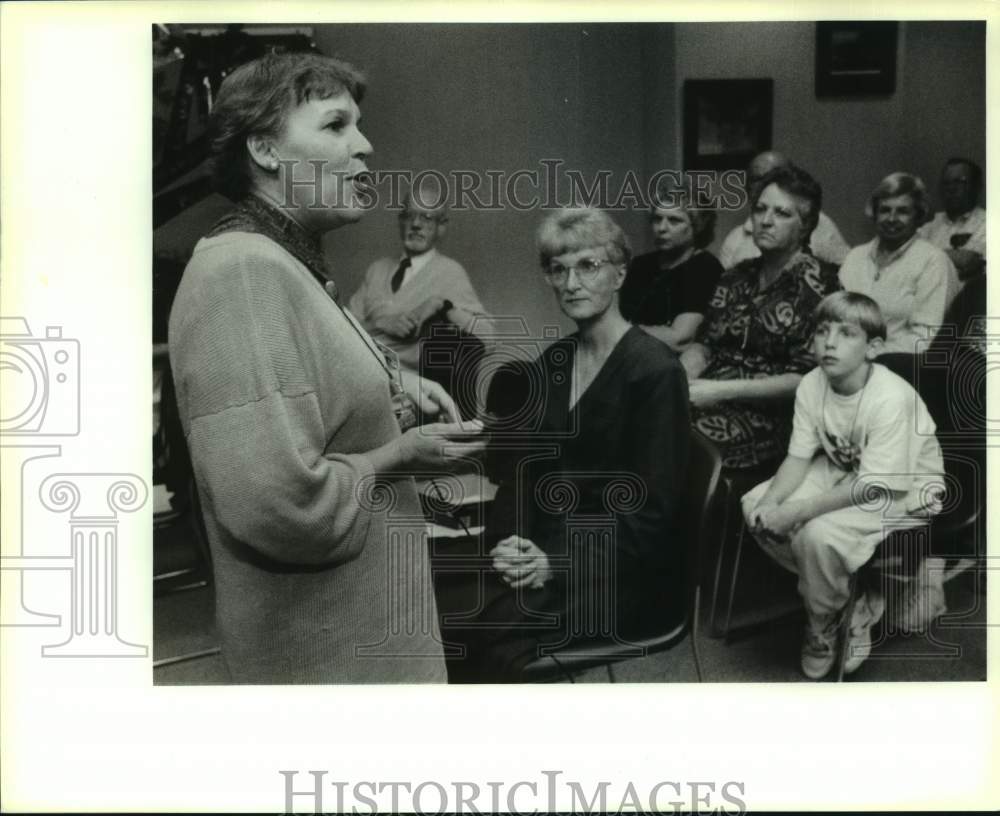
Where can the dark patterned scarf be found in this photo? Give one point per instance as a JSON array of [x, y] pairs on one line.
[[253, 214]]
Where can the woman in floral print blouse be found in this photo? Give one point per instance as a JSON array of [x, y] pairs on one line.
[[753, 347]]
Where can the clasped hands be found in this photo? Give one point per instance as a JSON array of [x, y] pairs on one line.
[[775, 521], [521, 563], [404, 325]]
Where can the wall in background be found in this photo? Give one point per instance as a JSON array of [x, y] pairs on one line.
[[503, 98], [607, 97], [850, 144]]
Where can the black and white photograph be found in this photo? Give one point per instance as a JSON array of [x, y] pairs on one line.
[[543, 407], [480, 385]]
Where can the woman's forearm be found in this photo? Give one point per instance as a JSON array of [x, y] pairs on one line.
[[775, 387], [680, 334], [695, 359]]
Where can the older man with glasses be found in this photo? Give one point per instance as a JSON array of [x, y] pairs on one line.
[[960, 228], [402, 295]]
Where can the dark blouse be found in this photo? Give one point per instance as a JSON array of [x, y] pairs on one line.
[[653, 296], [753, 332], [596, 487]]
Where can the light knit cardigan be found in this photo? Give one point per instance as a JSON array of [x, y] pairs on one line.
[[319, 578]]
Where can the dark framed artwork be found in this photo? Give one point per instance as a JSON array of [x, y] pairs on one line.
[[856, 58], [726, 122]]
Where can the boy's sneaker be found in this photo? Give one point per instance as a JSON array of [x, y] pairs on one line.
[[819, 651], [867, 612]]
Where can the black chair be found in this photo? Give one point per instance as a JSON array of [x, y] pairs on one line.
[[950, 376], [697, 503], [734, 485], [451, 358]]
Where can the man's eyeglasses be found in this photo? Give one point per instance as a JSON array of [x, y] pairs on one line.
[[586, 270], [418, 218]]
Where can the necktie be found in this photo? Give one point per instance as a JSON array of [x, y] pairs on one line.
[[397, 277]]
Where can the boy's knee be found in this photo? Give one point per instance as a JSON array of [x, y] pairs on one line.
[[813, 536]]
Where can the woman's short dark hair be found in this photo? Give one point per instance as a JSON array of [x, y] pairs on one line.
[[670, 196], [257, 98], [794, 181]]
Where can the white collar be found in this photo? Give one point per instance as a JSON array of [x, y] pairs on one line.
[[418, 262], [893, 256], [961, 219]]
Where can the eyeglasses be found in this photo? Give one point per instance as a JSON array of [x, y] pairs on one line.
[[419, 218], [586, 270]]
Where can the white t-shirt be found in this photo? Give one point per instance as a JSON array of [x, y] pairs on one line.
[[883, 431]]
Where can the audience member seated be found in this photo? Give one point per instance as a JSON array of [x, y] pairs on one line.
[[960, 229], [856, 468], [754, 346], [585, 520], [401, 295], [827, 243], [666, 292], [911, 280]]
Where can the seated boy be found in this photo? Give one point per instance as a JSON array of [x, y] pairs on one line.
[[855, 470]]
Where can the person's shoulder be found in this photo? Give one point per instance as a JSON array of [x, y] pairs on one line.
[[447, 264], [895, 394], [923, 248], [386, 262], [222, 259], [643, 263], [704, 261], [857, 255], [734, 235], [812, 382], [648, 357], [824, 221], [747, 269]]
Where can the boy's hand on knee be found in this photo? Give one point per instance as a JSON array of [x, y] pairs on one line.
[[780, 520], [755, 516]]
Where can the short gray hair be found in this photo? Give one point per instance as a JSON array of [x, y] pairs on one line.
[[897, 184], [576, 228]]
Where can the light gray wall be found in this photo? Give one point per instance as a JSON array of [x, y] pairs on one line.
[[502, 97], [607, 97], [849, 145]]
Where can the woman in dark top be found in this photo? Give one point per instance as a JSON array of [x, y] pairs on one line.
[[666, 292], [754, 345], [585, 517]]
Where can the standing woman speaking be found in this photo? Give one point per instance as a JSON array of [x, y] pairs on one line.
[[294, 417]]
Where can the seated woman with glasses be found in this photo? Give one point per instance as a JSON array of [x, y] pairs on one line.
[[585, 520], [666, 292]]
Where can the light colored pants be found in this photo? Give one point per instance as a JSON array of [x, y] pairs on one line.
[[826, 551]]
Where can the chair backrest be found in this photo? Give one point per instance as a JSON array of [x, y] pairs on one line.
[[451, 358], [699, 498]]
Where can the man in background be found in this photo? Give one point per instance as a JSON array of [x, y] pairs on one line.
[[402, 296], [960, 229]]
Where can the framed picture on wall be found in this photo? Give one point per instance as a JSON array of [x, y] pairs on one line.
[[726, 122], [856, 58]]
